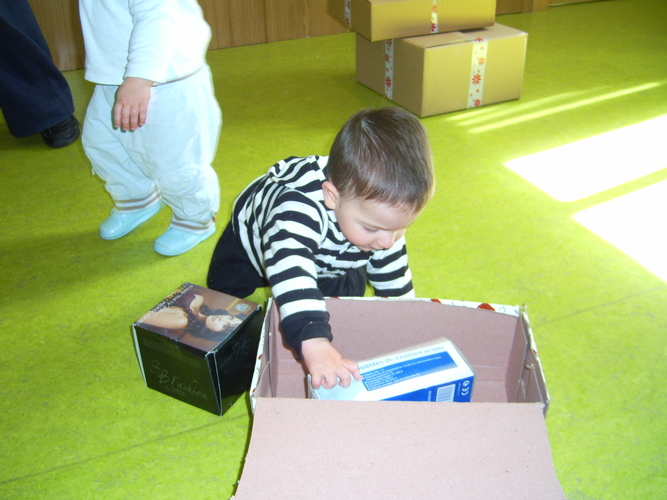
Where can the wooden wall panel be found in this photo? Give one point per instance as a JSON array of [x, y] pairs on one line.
[[508, 6], [537, 5], [289, 19], [247, 22], [320, 22], [286, 19], [516, 6], [59, 21], [233, 22], [215, 12]]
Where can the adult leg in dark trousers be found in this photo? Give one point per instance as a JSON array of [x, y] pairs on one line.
[[34, 95]]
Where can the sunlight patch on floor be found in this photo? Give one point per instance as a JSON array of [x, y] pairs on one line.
[[583, 168], [494, 113], [635, 224], [524, 117]]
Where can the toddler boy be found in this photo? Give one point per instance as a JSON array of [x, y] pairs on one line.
[[152, 125], [324, 226]]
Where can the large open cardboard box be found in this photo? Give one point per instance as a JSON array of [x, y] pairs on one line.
[[495, 447], [383, 19]]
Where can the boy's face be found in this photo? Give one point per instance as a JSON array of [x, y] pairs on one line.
[[367, 224]]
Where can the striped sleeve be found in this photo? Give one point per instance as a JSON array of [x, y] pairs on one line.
[[389, 273], [292, 234]]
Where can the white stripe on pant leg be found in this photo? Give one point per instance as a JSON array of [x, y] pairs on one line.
[[137, 205], [190, 226]]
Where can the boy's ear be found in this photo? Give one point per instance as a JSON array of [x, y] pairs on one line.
[[330, 194]]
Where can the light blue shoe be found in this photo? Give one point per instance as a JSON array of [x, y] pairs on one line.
[[175, 242], [120, 223]]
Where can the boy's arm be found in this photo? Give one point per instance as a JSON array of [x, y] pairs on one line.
[[292, 238], [129, 112], [389, 273]]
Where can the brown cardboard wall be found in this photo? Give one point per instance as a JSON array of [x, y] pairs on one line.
[[494, 344]]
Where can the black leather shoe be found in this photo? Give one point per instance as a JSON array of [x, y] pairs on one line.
[[63, 133]]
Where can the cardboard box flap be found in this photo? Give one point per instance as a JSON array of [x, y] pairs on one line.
[[495, 32], [310, 449], [439, 39]]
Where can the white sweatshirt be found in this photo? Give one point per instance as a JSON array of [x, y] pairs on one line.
[[159, 40]]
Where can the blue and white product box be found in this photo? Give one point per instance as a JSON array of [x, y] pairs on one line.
[[436, 371]]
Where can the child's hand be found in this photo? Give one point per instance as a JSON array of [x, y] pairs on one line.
[[129, 112], [326, 365]]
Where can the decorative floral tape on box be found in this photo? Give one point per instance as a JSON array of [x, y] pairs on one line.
[[477, 65], [389, 68]]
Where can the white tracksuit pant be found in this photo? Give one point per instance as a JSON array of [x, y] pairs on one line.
[[168, 157]]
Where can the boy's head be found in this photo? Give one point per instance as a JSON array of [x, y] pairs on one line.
[[383, 155], [379, 176]]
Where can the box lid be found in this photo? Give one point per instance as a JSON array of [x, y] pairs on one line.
[[314, 449], [495, 32]]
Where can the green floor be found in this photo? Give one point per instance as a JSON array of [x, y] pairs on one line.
[[75, 418]]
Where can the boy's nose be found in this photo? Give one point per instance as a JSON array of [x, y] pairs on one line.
[[386, 240]]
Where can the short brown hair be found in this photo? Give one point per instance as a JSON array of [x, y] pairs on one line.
[[384, 155]]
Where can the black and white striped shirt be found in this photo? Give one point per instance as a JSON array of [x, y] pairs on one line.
[[293, 239]]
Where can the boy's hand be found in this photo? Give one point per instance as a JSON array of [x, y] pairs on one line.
[[129, 112], [326, 365]]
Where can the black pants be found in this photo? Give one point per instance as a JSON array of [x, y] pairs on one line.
[[231, 272], [34, 94]]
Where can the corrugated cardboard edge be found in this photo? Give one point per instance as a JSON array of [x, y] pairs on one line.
[[262, 355], [533, 363]]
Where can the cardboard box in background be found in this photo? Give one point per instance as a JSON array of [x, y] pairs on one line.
[[383, 19], [435, 74], [207, 363], [433, 371], [494, 447]]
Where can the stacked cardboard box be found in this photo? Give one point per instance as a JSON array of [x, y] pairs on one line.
[[434, 56], [384, 19]]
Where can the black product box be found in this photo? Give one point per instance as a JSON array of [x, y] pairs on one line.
[[199, 346]]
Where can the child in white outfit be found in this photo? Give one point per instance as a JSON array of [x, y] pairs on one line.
[[152, 126]]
